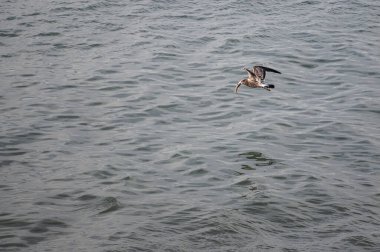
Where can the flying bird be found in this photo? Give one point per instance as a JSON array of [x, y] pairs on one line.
[[256, 78]]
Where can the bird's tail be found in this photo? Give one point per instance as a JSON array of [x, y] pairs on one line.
[[269, 85]]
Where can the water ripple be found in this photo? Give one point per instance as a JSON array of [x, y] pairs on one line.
[[123, 116]]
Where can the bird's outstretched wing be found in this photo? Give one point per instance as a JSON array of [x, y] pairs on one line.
[[260, 71], [251, 75]]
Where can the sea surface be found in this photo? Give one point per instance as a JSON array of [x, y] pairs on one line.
[[120, 129]]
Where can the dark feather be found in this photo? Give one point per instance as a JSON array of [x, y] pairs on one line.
[[271, 70], [260, 71], [251, 75]]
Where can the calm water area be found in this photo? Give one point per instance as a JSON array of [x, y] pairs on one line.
[[120, 129]]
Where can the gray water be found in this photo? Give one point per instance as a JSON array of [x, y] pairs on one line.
[[121, 131]]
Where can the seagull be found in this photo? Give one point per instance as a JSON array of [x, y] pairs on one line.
[[256, 78]]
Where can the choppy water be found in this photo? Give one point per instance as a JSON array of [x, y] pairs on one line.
[[120, 130]]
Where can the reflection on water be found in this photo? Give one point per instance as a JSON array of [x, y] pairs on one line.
[[260, 158]]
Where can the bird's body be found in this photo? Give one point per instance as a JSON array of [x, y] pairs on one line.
[[256, 78]]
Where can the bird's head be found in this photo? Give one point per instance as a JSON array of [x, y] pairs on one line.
[[244, 81]]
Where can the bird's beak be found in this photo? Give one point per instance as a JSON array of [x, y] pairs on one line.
[[237, 86]]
